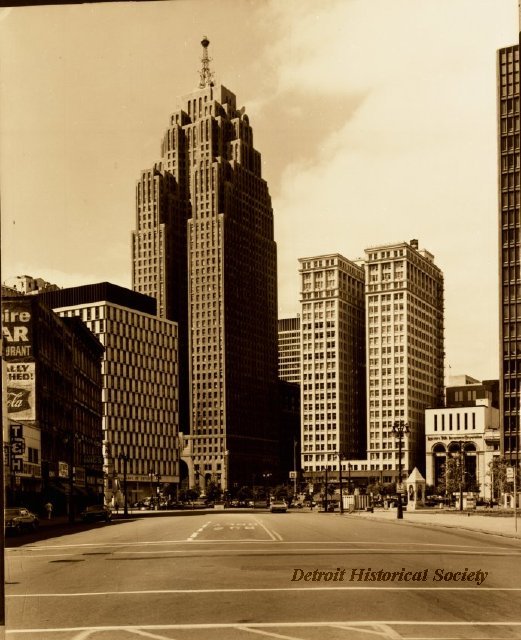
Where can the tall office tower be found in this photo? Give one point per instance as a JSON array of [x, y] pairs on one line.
[[204, 238], [333, 415], [509, 252], [405, 348], [289, 349], [140, 385]]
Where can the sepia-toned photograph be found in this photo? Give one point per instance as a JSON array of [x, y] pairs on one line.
[[260, 299]]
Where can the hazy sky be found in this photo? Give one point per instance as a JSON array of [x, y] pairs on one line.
[[376, 121]]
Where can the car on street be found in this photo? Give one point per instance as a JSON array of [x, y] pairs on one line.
[[96, 513], [18, 519], [279, 506]]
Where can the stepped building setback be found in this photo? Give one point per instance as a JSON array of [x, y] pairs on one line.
[[204, 247]]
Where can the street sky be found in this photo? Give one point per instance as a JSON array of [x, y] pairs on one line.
[[376, 121]]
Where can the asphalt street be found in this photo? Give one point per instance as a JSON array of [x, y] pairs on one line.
[[238, 575]]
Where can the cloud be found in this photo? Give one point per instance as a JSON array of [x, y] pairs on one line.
[[416, 158]]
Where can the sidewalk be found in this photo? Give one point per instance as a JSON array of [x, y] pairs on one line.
[[470, 521]]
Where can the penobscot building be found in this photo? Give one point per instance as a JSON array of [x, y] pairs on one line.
[[204, 248]]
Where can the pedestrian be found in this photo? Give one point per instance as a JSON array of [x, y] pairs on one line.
[[48, 508]]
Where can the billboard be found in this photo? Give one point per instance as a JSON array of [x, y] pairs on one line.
[[21, 391], [17, 330]]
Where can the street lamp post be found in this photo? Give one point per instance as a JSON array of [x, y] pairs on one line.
[[151, 476], [340, 456], [294, 468], [399, 429], [325, 493], [124, 458], [158, 489], [267, 477]]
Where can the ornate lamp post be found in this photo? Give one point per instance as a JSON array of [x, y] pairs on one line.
[[399, 429], [124, 458], [325, 491]]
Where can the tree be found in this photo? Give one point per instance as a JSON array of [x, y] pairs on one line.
[[498, 475], [213, 491], [452, 477], [244, 493], [189, 495], [376, 489]]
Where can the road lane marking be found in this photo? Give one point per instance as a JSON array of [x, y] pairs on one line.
[[287, 542], [381, 630], [250, 590], [268, 625], [195, 548], [196, 533], [270, 634], [272, 534]]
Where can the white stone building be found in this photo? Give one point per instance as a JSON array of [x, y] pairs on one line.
[[473, 429]]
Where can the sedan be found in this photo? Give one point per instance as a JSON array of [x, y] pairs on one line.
[[278, 505], [19, 518], [95, 513]]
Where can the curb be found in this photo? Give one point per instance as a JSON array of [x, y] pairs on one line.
[[512, 536]]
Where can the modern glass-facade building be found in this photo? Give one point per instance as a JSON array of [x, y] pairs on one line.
[[509, 251], [139, 382]]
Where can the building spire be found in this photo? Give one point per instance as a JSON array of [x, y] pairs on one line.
[[205, 73]]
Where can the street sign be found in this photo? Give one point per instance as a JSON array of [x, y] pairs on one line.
[[510, 474], [292, 475], [400, 487]]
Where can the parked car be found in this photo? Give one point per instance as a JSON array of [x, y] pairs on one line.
[[95, 513], [278, 505], [18, 519]]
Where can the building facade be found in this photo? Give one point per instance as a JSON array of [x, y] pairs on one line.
[[509, 250], [333, 414], [405, 349], [289, 349], [25, 285], [210, 190], [139, 380], [468, 432], [53, 422]]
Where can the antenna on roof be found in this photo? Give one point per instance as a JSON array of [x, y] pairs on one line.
[[205, 73]]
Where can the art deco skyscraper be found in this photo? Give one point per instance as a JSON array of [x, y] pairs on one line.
[[204, 247], [509, 251]]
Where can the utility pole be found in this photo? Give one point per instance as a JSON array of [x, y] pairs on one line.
[[124, 458]]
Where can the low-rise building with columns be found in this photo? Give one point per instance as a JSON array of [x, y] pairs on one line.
[[471, 428]]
